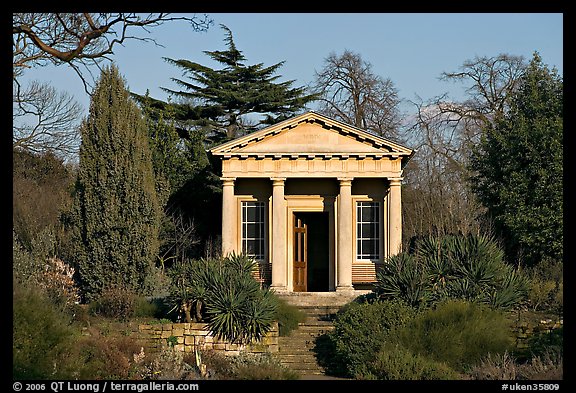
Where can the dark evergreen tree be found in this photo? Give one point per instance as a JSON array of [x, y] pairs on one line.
[[519, 170], [236, 99], [116, 216]]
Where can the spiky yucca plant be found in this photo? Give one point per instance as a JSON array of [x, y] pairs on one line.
[[459, 267], [224, 294]]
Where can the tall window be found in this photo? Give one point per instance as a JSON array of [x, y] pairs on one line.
[[368, 230], [253, 229]]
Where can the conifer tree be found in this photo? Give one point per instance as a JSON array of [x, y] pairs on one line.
[[116, 213], [519, 168], [220, 100]]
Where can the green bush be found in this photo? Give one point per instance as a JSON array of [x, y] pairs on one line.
[[152, 308], [394, 362], [41, 334], [360, 329], [288, 316], [115, 302], [456, 332]]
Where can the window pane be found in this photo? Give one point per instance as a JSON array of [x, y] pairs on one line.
[[253, 231], [251, 214], [368, 231]]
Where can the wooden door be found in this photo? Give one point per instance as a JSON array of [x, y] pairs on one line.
[[300, 255]]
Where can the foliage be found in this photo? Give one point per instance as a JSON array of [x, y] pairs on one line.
[[39, 267], [57, 280], [288, 316], [245, 366], [98, 357], [360, 329], [171, 155], [115, 301], [546, 286], [223, 293], [116, 213], [41, 188], [40, 332], [394, 362], [545, 367], [405, 277], [518, 167], [456, 332], [457, 267]]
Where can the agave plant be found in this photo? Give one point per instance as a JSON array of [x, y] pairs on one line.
[[461, 267], [403, 277], [223, 293]]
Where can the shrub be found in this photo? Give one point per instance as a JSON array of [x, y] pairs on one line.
[[456, 332], [288, 316], [153, 308], [115, 302], [245, 366], [41, 333], [98, 357], [495, 367], [360, 330], [547, 366], [546, 284], [394, 362]]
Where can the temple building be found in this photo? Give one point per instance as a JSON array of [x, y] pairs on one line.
[[315, 201]]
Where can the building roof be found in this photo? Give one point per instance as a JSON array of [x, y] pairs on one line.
[[312, 135]]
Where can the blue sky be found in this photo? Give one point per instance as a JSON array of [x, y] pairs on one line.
[[411, 49]]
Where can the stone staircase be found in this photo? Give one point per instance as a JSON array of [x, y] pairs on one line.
[[297, 351]]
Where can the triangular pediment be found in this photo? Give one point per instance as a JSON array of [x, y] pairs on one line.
[[311, 134]]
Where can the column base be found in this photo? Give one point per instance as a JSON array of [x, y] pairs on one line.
[[344, 288], [279, 289]]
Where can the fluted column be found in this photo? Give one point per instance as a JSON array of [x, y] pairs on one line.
[[345, 227], [279, 277], [395, 216], [228, 216]]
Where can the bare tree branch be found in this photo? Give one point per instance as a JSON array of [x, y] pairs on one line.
[[81, 38], [44, 120], [350, 92]]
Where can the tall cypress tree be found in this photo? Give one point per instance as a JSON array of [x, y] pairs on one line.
[[116, 217]]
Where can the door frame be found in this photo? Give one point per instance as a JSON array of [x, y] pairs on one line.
[[310, 204]]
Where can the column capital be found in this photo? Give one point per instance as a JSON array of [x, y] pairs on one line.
[[345, 181], [395, 181], [228, 181], [278, 181]]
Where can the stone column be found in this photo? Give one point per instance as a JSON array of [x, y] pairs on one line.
[[345, 228], [279, 281], [228, 216], [395, 216]]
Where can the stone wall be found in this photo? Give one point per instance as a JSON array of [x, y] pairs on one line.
[[187, 336]]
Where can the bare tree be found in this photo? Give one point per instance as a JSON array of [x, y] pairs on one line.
[[81, 40], [437, 195], [44, 120], [350, 92]]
